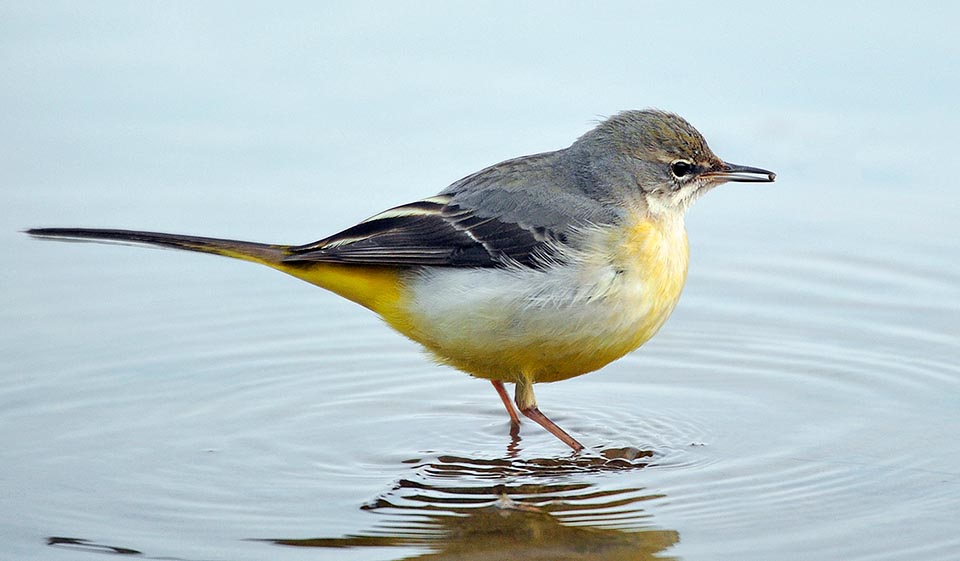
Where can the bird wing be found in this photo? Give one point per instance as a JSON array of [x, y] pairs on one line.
[[435, 231], [518, 211]]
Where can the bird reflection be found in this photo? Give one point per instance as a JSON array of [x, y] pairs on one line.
[[534, 509]]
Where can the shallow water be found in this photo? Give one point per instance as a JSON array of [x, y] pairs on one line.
[[803, 402]]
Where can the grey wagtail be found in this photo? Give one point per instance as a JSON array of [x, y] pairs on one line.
[[536, 269]]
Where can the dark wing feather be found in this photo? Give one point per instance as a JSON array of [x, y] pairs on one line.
[[517, 211], [434, 231]]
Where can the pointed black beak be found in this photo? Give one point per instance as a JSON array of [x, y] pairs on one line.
[[742, 174]]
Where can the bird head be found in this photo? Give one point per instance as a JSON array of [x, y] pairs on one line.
[[660, 157]]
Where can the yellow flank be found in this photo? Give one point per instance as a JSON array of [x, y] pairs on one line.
[[375, 287]]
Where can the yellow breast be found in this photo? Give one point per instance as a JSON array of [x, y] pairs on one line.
[[556, 323], [654, 255], [650, 259]]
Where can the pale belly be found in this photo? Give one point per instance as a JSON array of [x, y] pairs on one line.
[[545, 325]]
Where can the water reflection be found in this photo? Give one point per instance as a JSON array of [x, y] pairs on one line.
[[511, 508]]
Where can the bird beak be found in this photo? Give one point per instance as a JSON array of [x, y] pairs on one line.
[[742, 174]]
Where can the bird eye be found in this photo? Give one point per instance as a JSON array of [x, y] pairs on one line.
[[681, 168]]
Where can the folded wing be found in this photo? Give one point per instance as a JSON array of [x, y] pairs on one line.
[[435, 231]]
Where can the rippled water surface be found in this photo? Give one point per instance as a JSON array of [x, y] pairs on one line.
[[803, 402]]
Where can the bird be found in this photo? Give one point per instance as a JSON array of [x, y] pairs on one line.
[[533, 270]]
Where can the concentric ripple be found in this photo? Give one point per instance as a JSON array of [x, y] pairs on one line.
[[464, 508], [809, 406]]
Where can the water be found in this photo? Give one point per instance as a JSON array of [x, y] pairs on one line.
[[803, 401]]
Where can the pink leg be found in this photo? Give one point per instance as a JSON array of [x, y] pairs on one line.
[[502, 392], [534, 414]]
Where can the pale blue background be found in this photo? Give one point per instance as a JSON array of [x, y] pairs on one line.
[[283, 122]]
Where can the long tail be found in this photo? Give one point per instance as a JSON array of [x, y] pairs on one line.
[[266, 254], [374, 287]]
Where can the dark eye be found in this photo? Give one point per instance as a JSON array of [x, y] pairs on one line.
[[681, 168]]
